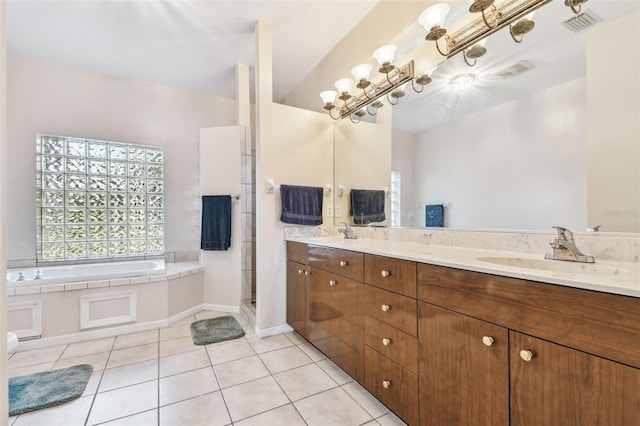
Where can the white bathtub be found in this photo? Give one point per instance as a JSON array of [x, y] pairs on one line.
[[84, 272]]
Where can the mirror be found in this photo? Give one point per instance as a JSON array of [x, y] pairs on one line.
[[546, 135]]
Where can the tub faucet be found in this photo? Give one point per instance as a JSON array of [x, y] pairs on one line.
[[38, 275], [20, 276], [348, 232], [564, 248]]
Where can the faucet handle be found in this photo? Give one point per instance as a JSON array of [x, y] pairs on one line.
[[564, 233]]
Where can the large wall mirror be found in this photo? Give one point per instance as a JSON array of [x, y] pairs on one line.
[[536, 134]]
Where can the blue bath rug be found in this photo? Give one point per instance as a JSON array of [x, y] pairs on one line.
[[214, 330], [47, 389]]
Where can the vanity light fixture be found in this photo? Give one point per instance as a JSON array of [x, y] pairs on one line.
[[575, 5], [520, 28], [422, 80], [494, 17], [474, 52], [368, 99]]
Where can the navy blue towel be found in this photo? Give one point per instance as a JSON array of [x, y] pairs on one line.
[[434, 215], [301, 205], [216, 222], [367, 206]]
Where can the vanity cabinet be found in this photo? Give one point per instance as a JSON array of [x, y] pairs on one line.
[[298, 272]]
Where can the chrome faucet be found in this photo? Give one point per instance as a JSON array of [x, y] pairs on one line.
[[37, 275], [348, 232], [564, 248], [20, 276]]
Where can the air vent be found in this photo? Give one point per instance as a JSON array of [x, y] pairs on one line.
[[581, 22], [515, 69]]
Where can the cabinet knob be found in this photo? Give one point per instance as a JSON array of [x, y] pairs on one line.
[[307, 273], [385, 308], [487, 340], [386, 384], [386, 341], [526, 355], [385, 273], [332, 282], [343, 263], [300, 271]]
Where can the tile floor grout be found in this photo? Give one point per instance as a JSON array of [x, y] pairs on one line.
[[267, 371]]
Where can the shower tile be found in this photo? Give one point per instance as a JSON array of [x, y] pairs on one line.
[[51, 288], [332, 407], [285, 415], [73, 413], [176, 346], [285, 359], [180, 363], [196, 412], [187, 385], [229, 351], [136, 339], [27, 290], [240, 371], [124, 402], [36, 356], [264, 394], [304, 381], [98, 284], [88, 348], [127, 375], [132, 355], [75, 286], [97, 361]]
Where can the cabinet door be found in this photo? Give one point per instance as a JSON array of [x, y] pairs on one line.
[[296, 296], [562, 386], [464, 369], [320, 313], [347, 330]]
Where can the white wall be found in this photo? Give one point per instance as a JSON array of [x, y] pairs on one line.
[[613, 124], [4, 400], [50, 98], [519, 165]]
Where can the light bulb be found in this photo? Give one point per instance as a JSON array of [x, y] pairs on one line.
[[328, 96], [385, 54], [361, 72], [434, 16], [344, 85]]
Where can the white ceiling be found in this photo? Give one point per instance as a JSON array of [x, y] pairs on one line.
[[196, 44], [190, 44]]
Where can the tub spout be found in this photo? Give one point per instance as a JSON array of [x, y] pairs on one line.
[[21, 276], [38, 275]]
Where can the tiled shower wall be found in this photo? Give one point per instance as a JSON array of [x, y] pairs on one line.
[[247, 197]]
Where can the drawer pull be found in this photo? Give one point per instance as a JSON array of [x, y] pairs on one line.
[[386, 341], [526, 355], [386, 384], [343, 263], [386, 308], [385, 274], [332, 282], [307, 273], [487, 340]]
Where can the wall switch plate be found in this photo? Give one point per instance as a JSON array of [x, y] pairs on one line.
[[338, 211], [329, 210]]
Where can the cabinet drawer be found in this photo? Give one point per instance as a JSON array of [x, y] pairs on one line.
[[396, 387], [602, 324], [393, 309], [392, 343], [342, 262], [298, 252], [391, 274]]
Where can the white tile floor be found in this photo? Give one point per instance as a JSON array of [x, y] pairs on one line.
[[160, 377]]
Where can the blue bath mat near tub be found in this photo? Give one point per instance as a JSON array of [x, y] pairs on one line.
[[214, 330], [47, 389]]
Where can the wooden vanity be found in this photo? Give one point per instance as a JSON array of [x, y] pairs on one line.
[[444, 346]]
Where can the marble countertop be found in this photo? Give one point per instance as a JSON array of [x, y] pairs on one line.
[[605, 276]]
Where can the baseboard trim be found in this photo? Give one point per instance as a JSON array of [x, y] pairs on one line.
[[232, 309], [271, 331]]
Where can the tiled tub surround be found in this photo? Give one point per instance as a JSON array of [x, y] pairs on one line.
[[462, 250], [154, 301]]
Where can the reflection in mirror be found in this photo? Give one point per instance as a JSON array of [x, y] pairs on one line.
[[544, 133]]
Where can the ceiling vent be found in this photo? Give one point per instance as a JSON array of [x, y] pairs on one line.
[[515, 69], [582, 21]]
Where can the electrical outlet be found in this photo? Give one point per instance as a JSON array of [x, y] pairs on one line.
[[338, 211], [329, 210]]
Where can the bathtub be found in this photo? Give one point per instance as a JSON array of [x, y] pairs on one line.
[[84, 272]]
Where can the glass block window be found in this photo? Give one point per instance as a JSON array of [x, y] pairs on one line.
[[98, 199], [396, 205]]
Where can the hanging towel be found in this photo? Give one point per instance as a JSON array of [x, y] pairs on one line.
[[367, 206], [434, 215], [216, 222], [301, 205]]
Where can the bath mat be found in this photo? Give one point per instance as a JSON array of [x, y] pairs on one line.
[[214, 330], [47, 389]]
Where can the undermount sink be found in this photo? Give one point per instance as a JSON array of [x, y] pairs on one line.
[[556, 266]]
